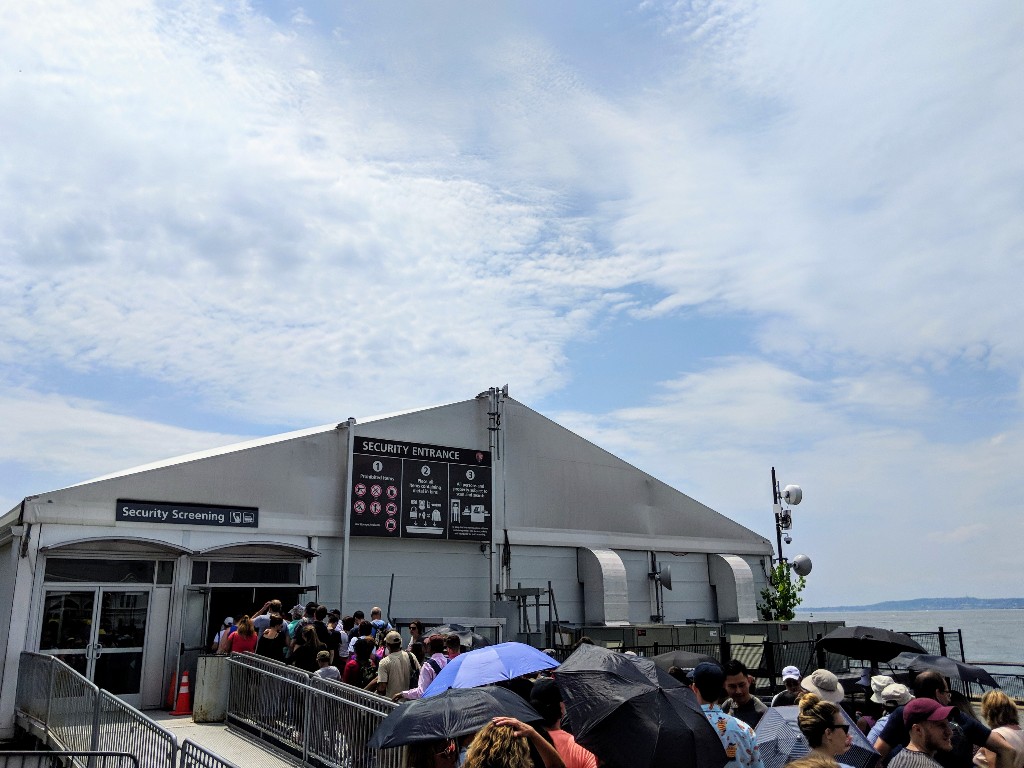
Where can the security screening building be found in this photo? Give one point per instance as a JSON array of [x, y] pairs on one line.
[[454, 512]]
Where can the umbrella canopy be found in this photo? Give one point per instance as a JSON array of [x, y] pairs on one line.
[[681, 659], [780, 741], [947, 667], [868, 643], [467, 637], [503, 661], [454, 713], [618, 710]]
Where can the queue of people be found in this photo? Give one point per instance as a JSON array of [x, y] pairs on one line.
[[924, 726]]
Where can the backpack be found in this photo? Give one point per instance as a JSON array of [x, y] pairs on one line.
[[414, 670], [366, 674]]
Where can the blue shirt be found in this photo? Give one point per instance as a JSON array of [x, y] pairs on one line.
[[737, 737]]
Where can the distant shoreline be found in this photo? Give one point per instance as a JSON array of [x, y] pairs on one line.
[[927, 604]]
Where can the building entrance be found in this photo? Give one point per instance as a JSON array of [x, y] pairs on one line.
[[101, 633]]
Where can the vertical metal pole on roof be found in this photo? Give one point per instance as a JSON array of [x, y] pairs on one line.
[[351, 429]]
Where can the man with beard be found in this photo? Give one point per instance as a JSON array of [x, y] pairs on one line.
[[927, 723]]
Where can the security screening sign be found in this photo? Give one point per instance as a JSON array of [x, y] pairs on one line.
[[415, 491], [186, 514]]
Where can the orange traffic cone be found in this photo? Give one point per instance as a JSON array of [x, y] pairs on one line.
[[183, 705]]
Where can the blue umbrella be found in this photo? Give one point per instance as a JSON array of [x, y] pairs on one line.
[[504, 661]]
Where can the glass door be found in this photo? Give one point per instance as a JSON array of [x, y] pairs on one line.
[[100, 633]]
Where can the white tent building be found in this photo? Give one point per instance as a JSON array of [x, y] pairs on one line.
[[437, 513]]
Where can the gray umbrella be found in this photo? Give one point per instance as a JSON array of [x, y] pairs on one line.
[[868, 643], [780, 741], [945, 666]]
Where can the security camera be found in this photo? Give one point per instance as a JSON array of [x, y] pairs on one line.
[[792, 494], [788, 539]]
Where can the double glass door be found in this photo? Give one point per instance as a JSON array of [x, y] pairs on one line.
[[100, 632]]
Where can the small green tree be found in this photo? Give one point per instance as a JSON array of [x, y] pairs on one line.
[[782, 595]]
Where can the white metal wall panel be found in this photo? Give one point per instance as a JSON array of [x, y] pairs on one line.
[[432, 578], [691, 596]]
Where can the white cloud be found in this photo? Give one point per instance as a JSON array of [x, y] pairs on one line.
[[77, 438]]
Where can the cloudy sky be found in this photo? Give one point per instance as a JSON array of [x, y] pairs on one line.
[[714, 237]]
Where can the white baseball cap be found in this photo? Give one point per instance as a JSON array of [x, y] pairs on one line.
[[790, 673]]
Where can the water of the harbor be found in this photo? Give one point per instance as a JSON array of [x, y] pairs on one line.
[[988, 635]]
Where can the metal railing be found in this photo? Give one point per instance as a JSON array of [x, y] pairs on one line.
[[93, 728], [324, 723], [191, 755], [62, 759], [122, 728]]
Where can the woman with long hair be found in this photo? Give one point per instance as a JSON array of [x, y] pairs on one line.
[[823, 724], [244, 639], [505, 743], [274, 640], [1002, 717], [304, 655]]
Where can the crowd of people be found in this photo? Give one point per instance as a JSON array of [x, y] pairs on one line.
[[367, 653], [926, 725]]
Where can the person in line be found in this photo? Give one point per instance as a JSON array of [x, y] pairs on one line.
[[741, 702], [395, 671], [738, 738], [452, 646], [547, 700], [362, 630], [966, 731], [823, 725], [379, 626], [505, 743], [241, 641], [892, 696], [273, 641], [930, 732], [1002, 717], [825, 685], [326, 670], [261, 619], [431, 667], [791, 679], [226, 629], [361, 668], [304, 654], [416, 629]]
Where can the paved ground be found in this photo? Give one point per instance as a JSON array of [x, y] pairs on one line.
[[225, 743]]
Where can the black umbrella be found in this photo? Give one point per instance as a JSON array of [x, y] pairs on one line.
[[868, 643], [945, 666], [456, 712], [681, 659], [618, 711], [780, 741], [467, 637]]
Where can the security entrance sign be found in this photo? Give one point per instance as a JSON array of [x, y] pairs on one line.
[[186, 514], [416, 491]]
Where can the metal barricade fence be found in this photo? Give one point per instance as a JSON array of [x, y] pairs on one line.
[[268, 698], [342, 722], [191, 755], [122, 728], [328, 723], [35, 676], [358, 696], [63, 759], [71, 719]]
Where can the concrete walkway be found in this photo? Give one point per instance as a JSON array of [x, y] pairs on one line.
[[217, 738]]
